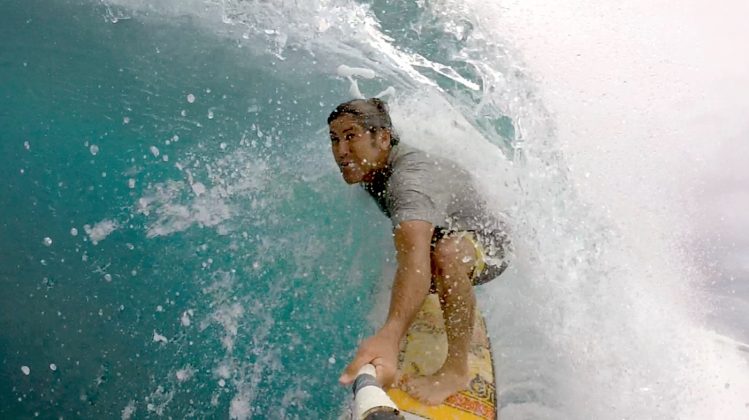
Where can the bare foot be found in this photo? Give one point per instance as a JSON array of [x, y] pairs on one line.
[[434, 389]]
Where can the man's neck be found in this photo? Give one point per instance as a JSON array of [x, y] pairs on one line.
[[382, 170]]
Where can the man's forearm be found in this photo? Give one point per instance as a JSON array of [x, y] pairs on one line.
[[410, 288]]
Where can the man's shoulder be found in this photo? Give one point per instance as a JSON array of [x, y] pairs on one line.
[[409, 161], [404, 154], [407, 158]]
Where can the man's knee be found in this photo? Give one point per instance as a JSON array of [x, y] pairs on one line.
[[453, 254]]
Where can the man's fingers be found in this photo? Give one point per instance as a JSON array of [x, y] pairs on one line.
[[349, 374], [380, 369], [384, 375]]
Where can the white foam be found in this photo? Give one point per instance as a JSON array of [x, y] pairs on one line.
[[350, 72], [240, 407], [159, 399], [158, 338], [128, 411], [198, 188], [185, 319], [185, 373], [99, 231], [208, 207], [223, 371], [389, 91]]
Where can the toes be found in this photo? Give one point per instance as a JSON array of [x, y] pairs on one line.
[[416, 387]]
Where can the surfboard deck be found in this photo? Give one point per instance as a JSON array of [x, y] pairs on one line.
[[423, 351]]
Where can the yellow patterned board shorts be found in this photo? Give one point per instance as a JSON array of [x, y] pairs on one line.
[[491, 247]]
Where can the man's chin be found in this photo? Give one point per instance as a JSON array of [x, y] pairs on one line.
[[351, 177], [352, 180]]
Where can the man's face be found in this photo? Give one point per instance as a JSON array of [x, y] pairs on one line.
[[358, 152]]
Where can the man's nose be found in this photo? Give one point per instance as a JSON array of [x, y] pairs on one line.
[[342, 148]]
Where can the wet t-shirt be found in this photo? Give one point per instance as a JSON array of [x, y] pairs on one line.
[[420, 186]]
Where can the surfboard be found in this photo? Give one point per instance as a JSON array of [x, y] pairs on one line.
[[423, 351]]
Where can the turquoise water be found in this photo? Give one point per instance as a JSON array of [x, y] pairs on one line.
[[175, 239], [272, 258]]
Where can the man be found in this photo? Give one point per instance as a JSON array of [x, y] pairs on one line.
[[445, 242]]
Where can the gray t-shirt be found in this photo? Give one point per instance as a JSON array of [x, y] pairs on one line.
[[419, 186]]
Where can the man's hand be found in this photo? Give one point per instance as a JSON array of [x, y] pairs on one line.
[[381, 350]]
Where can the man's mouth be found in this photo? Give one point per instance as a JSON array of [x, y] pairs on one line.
[[345, 164]]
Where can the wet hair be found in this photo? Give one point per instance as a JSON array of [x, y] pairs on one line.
[[371, 113]]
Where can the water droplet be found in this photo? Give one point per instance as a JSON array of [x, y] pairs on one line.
[[52, 366], [26, 145], [331, 360], [198, 188], [94, 149], [185, 319], [47, 241], [154, 151], [210, 115], [190, 98], [108, 277], [25, 370]]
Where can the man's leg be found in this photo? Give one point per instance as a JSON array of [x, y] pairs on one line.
[[453, 259]]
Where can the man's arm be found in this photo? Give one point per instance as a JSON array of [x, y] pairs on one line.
[[412, 277], [410, 288]]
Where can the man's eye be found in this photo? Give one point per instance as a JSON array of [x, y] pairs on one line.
[[334, 140], [349, 137]]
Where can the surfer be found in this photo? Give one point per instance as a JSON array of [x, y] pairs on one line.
[[445, 242]]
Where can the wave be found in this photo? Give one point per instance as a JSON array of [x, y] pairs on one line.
[[224, 185]]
